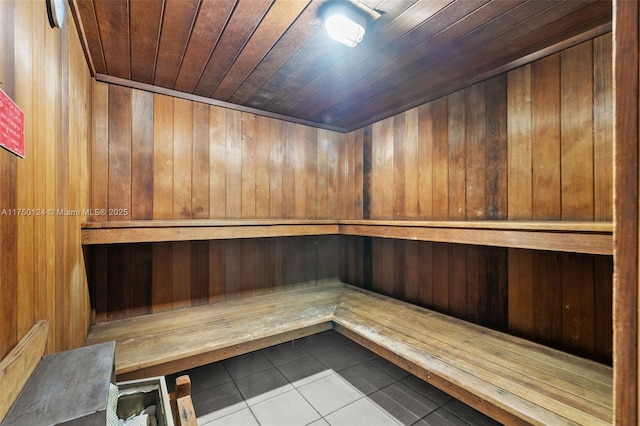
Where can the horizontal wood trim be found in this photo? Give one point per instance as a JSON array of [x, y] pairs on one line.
[[578, 237], [17, 366]]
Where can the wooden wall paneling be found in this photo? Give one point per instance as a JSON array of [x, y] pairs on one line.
[[98, 279], [497, 282], [140, 278], [40, 160], [519, 148], [276, 158], [475, 153], [182, 158], [440, 122], [100, 151], [298, 151], [545, 149], [263, 147], [310, 141], [117, 298], [217, 270], [425, 160], [200, 178], [181, 274], [626, 33], [162, 157], [382, 190], [322, 164], [233, 268], [603, 127], [288, 171], [547, 297], [25, 172], [367, 166], [477, 303], [427, 277], [398, 166], [141, 155], [496, 188], [603, 280], [248, 166], [413, 272], [119, 153], [577, 132], [248, 272], [441, 276], [233, 164], [332, 177], [411, 158], [401, 276], [162, 274], [217, 165], [458, 285], [264, 268], [578, 300], [457, 148], [521, 315]]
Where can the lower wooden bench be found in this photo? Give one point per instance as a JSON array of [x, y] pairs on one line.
[[510, 379]]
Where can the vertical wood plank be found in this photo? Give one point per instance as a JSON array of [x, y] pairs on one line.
[[233, 164], [382, 203], [578, 300], [322, 164], [248, 166], [547, 299], [199, 272], [181, 274], [398, 181], [457, 148], [139, 281], [119, 153], [521, 313], [441, 277], [217, 272], [440, 184], [162, 276], [263, 146], [289, 186], [475, 154], [577, 132], [425, 161], [276, 159], [200, 179], [162, 157], [217, 162], [182, 158], [519, 137], [545, 149], [100, 150], [603, 121], [496, 160], [411, 160], [141, 155]]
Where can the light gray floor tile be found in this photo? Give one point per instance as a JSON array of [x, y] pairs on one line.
[[360, 413], [319, 422], [366, 378], [287, 409], [243, 417], [304, 370], [329, 393], [246, 364], [403, 403], [263, 385]]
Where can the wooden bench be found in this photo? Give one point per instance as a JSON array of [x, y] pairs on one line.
[[510, 379]]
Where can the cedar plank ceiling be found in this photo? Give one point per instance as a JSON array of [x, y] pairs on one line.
[[273, 56]]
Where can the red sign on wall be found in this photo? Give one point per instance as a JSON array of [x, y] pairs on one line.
[[11, 125]]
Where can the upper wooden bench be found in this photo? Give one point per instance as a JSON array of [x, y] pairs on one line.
[[578, 237], [508, 378]]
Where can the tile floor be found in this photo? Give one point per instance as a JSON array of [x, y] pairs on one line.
[[324, 379]]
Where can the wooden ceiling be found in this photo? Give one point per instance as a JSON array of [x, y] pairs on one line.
[[274, 55]]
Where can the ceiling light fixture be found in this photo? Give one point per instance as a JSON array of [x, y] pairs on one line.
[[346, 21]]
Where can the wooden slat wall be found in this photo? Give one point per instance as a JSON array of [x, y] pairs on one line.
[[158, 157], [42, 271], [627, 157], [533, 144]]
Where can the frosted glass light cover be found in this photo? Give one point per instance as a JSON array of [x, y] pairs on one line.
[[344, 30]]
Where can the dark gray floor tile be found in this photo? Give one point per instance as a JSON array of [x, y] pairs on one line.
[[246, 364], [303, 370], [337, 358], [217, 402], [403, 403], [468, 414], [263, 385], [284, 352], [431, 392], [366, 378], [207, 376], [389, 368], [326, 339], [361, 351], [440, 417]]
